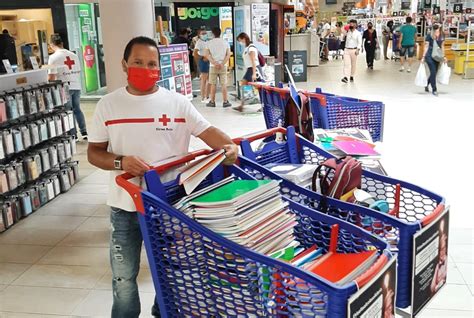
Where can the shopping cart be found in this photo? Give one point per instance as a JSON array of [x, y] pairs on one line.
[[334, 47], [412, 207], [198, 273], [329, 111]]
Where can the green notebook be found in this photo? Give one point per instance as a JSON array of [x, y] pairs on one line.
[[230, 192]]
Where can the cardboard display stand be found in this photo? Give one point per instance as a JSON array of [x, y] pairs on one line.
[[175, 72]]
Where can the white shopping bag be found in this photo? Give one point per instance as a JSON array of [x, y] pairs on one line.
[[421, 79], [377, 54], [444, 73]]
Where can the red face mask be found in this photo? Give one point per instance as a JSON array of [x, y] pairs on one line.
[[143, 79]]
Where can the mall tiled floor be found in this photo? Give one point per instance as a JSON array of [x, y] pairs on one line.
[[55, 262]]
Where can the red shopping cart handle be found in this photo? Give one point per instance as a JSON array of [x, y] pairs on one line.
[[135, 191], [374, 270], [432, 216], [259, 135], [320, 97]]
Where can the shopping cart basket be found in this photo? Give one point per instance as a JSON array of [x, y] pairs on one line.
[[412, 207], [198, 273], [329, 111]]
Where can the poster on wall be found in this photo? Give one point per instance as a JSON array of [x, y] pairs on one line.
[[88, 47], [377, 299], [260, 23], [175, 73], [225, 23], [430, 261]]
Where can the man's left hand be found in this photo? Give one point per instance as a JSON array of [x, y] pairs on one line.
[[231, 153]]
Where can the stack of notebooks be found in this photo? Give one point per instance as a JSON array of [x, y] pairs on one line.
[[249, 212]]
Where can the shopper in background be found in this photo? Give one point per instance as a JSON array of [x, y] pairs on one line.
[[387, 37], [116, 144], [435, 35], [353, 44], [218, 53], [69, 72], [203, 64], [7, 50], [370, 43], [325, 31], [339, 32], [182, 38], [254, 71], [406, 44]]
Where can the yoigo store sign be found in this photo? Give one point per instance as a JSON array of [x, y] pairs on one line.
[[203, 13]]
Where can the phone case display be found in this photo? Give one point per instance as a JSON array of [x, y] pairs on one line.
[[3, 111], [20, 105], [17, 140], [12, 108], [29, 100], [35, 150]]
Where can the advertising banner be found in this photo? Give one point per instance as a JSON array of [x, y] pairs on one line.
[[195, 17], [175, 73], [260, 23], [241, 16], [225, 18], [377, 299], [88, 47], [430, 261]]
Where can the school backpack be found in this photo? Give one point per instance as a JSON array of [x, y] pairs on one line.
[[261, 58], [300, 117], [336, 177]]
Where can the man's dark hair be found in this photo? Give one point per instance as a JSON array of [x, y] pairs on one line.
[[353, 21], [184, 31], [5, 31], [409, 19], [56, 40], [217, 32], [142, 40]]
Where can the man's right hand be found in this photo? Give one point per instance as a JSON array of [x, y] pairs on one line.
[[135, 166]]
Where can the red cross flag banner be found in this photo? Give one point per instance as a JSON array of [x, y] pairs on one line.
[[175, 72]]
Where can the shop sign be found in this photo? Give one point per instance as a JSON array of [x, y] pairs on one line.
[[87, 46], [204, 13], [457, 8]]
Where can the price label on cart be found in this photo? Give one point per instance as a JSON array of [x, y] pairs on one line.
[[430, 261], [377, 299]]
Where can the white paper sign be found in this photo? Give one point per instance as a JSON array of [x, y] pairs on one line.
[[34, 62], [8, 66]]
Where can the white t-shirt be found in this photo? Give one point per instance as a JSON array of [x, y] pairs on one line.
[[153, 127], [353, 39], [218, 49], [70, 70], [247, 58], [201, 46]]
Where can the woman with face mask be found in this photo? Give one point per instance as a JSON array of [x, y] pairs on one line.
[[250, 55], [370, 43], [433, 65], [203, 63]]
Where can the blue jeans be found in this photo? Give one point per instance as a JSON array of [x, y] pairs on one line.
[[433, 66], [75, 103], [125, 249]]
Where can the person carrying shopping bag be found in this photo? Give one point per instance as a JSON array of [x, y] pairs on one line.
[[353, 44], [251, 60], [434, 55], [370, 44]]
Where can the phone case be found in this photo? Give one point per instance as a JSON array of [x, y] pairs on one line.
[[43, 130], [72, 179], [34, 134], [48, 98], [20, 105], [12, 108], [3, 182], [64, 181], [31, 169], [53, 155], [2, 151], [58, 125], [8, 142], [35, 201], [39, 166], [40, 99], [45, 160], [65, 122], [61, 153], [25, 200], [25, 136], [20, 173], [11, 177], [73, 145], [16, 208], [56, 185], [43, 194], [70, 116], [67, 149], [17, 140], [51, 127], [3, 111], [50, 189], [75, 169], [56, 96], [8, 215]]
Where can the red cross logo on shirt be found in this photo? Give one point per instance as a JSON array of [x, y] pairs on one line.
[[69, 62], [164, 120]]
